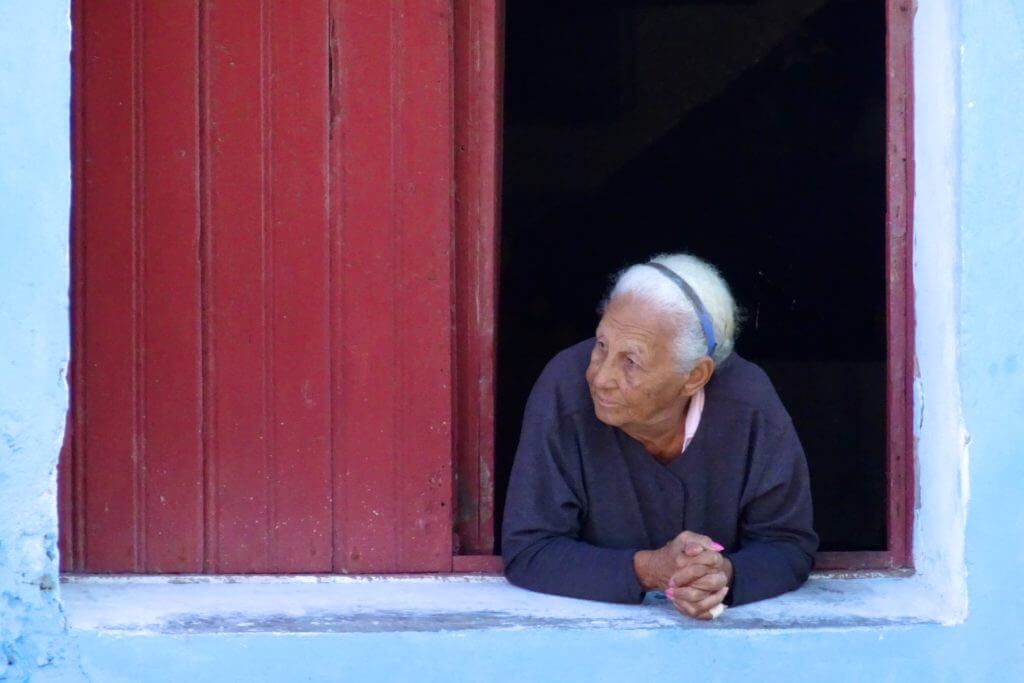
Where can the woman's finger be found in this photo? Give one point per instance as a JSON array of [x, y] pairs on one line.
[[687, 594], [700, 539], [710, 582], [689, 574], [710, 558], [692, 548], [703, 607]]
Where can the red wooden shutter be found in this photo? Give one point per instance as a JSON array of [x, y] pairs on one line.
[[262, 299]]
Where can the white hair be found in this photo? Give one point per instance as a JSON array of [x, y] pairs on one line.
[[656, 288]]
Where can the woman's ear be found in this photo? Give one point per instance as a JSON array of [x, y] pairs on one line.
[[699, 376]]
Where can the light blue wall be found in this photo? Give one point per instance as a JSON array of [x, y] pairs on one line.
[[34, 200], [987, 646], [992, 317]]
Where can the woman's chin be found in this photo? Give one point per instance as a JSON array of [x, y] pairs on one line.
[[610, 415]]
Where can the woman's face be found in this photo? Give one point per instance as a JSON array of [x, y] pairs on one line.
[[633, 374]]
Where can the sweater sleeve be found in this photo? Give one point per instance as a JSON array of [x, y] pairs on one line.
[[544, 510], [776, 541]]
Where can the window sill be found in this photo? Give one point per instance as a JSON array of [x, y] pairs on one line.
[[151, 605]]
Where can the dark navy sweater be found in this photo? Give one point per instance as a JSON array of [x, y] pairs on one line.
[[584, 497]]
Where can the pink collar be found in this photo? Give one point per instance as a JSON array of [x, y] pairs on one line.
[[693, 412]]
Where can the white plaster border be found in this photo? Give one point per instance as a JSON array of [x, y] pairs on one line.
[[941, 438]]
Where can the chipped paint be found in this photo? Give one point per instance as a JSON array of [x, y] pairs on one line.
[[34, 200]]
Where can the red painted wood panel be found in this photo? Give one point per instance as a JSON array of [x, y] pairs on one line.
[[424, 220], [110, 363], [478, 105], [167, 284], [392, 286], [268, 369], [477, 564], [856, 560], [365, 412], [136, 370], [236, 334], [263, 294], [300, 400]]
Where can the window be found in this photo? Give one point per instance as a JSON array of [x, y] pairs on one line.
[[756, 137], [285, 330]]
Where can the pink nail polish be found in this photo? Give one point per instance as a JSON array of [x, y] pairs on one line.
[[717, 546], [669, 593]]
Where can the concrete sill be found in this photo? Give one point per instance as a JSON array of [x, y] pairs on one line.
[[151, 605]]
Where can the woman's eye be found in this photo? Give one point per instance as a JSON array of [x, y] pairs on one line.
[[631, 363]]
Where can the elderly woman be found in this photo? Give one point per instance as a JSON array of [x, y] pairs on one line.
[[653, 458]]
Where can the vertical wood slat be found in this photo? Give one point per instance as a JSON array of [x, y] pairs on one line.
[[478, 107], [135, 236], [364, 173], [424, 296], [270, 425], [301, 533], [169, 296], [392, 286], [236, 224], [107, 341], [210, 516]]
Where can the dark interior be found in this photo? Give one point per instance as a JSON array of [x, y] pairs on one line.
[[748, 132]]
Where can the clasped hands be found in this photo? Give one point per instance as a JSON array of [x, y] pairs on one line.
[[692, 572]]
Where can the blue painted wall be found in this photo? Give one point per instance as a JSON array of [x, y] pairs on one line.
[[34, 200], [992, 321], [988, 201]]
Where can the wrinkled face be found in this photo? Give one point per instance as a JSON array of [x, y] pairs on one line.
[[633, 375]]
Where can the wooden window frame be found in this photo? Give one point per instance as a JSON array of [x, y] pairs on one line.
[[478, 60], [478, 57]]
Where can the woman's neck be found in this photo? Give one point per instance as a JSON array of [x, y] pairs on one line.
[[663, 439]]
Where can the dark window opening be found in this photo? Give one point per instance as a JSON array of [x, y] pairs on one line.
[[749, 133]]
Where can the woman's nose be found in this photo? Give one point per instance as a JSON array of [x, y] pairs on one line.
[[604, 378]]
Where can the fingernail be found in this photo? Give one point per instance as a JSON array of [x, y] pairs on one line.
[[669, 593], [717, 546]]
